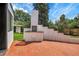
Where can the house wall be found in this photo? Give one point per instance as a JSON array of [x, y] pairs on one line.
[[10, 33], [9, 39]]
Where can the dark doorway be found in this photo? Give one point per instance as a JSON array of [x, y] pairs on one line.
[[21, 29], [34, 28], [3, 26], [14, 28]]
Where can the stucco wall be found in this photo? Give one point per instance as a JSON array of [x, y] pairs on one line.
[[50, 34], [33, 36], [27, 29], [34, 18], [39, 28]]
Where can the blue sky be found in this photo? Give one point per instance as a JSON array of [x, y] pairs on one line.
[[55, 9]]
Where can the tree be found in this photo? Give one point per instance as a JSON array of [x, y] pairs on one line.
[[62, 18], [50, 24], [43, 13], [22, 18], [70, 23], [66, 23], [76, 19], [61, 23]]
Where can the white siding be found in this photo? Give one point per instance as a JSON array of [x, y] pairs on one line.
[[9, 39], [10, 33]]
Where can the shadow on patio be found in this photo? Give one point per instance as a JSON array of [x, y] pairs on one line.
[[23, 43]]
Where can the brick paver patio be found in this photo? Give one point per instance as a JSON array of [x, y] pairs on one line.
[[44, 48]]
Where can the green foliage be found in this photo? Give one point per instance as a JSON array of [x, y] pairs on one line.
[[43, 13], [62, 18], [60, 27], [65, 23], [50, 24], [72, 25], [18, 36], [61, 24], [22, 18]]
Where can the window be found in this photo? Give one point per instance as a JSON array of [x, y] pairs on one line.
[[9, 21]]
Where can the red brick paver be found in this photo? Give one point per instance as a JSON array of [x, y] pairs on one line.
[[44, 48]]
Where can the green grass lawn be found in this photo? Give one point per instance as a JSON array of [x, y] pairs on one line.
[[18, 36]]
